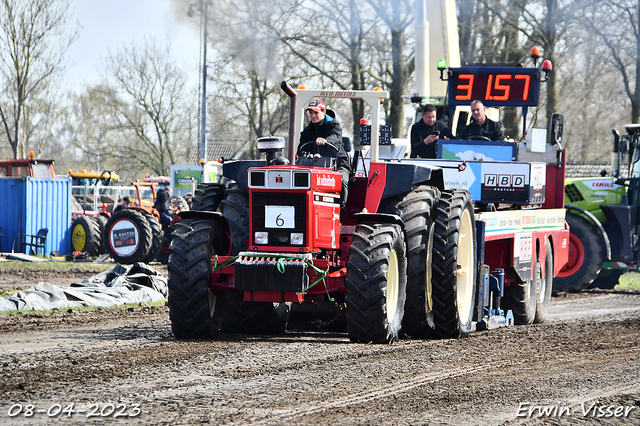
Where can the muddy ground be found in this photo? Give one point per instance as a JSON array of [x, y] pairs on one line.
[[123, 365]]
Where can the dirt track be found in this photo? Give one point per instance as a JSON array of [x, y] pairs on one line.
[[588, 352]]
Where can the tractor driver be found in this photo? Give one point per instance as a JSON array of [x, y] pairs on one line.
[[326, 131], [481, 125]]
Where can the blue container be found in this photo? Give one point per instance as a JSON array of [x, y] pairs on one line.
[[28, 205]]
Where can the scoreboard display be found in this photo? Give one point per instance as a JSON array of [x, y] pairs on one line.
[[494, 86]]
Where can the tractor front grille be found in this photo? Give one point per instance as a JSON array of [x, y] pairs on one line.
[[571, 191], [280, 237]]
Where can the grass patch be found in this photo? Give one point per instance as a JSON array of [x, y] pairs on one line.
[[629, 281], [19, 265]]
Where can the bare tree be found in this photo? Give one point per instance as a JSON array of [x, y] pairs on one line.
[[616, 25], [146, 93], [33, 43]]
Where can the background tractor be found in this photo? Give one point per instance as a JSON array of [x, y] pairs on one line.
[[604, 216]]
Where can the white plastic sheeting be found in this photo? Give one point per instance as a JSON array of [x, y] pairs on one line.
[[120, 285]]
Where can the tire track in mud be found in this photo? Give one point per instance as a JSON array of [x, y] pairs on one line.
[[381, 392]]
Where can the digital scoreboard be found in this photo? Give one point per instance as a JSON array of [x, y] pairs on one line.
[[494, 86]]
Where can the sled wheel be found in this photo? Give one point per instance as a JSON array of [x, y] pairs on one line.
[[544, 285], [416, 210], [376, 283], [522, 297], [607, 278], [235, 208], [454, 265], [586, 255], [195, 310], [128, 236]]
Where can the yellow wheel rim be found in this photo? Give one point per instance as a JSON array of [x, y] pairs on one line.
[[78, 238], [393, 285], [428, 274], [466, 267]]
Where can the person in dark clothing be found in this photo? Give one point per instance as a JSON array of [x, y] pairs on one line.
[[323, 129], [481, 125], [123, 205], [426, 132], [163, 205]]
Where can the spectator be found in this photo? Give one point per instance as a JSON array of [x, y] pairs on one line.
[[426, 132], [124, 204], [163, 205]]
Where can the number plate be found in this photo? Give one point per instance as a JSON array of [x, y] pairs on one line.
[[279, 216]]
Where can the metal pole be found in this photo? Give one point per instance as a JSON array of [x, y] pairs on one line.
[[203, 120]]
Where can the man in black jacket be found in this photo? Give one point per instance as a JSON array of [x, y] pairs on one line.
[[163, 205], [481, 125], [323, 129], [426, 132]]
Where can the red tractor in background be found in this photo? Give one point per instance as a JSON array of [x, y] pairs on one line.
[[407, 254]]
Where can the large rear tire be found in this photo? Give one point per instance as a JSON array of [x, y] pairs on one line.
[[157, 236], [195, 310], [235, 208], [128, 236], [417, 209], [207, 197], [586, 255], [254, 317], [544, 286], [102, 222], [85, 235], [454, 265], [376, 283]]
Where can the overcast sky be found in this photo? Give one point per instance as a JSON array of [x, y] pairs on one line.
[[109, 24]]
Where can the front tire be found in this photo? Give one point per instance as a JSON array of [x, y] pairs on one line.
[[416, 209], [194, 309], [522, 298], [586, 255], [454, 265], [376, 283]]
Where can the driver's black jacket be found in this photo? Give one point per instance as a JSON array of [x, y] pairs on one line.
[[489, 129], [330, 130]]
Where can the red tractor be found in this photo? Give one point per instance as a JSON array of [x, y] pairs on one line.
[[406, 254]]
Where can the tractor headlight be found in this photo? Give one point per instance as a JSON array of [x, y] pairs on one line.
[[261, 237], [297, 238]]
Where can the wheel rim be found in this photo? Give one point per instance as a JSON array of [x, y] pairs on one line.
[[393, 285], [124, 237], [465, 268], [576, 257], [542, 283], [78, 238], [213, 299]]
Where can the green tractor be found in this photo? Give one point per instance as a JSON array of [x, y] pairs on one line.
[[604, 216]]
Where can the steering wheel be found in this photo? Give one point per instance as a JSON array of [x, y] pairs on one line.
[[478, 138], [332, 146]]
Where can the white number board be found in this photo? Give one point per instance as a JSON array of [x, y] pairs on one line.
[[279, 216]]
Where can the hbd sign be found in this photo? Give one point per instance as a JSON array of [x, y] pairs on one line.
[[504, 181]]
